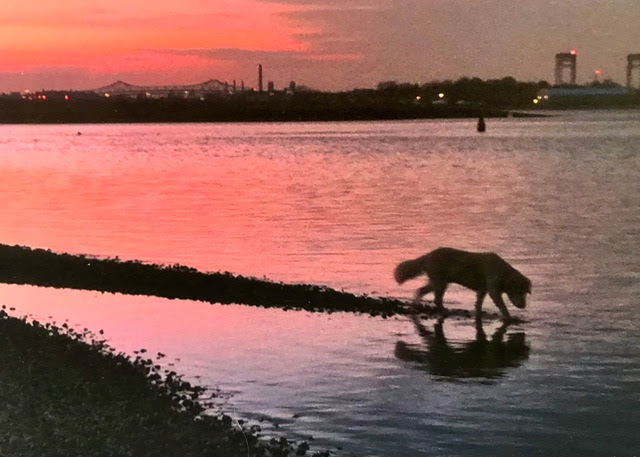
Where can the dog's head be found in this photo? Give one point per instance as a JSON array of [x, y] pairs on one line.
[[518, 300], [518, 289]]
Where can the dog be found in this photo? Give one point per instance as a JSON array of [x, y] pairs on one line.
[[483, 272]]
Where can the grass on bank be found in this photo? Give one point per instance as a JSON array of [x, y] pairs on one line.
[[24, 265], [40, 267], [63, 393]]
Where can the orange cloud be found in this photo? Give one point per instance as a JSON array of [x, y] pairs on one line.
[[73, 33]]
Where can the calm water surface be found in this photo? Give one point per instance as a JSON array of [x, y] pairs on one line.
[[340, 204]]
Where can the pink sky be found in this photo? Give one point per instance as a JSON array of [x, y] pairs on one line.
[[326, 44]]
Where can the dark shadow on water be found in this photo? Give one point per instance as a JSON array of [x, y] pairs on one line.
[[479, 358]]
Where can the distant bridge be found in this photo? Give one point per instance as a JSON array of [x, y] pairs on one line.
[[121, 88]]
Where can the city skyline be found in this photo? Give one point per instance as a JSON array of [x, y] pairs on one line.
[[325, 44]]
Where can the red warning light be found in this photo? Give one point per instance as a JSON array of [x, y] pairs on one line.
[[598, 72], [66, 97], [574, 52]]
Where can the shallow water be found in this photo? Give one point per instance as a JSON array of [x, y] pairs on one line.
[[340, 204]]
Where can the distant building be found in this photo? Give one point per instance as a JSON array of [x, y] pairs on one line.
[[566, 60], [123, 89], [291, 89]]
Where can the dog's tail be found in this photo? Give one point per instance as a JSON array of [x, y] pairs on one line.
[[408, 269]]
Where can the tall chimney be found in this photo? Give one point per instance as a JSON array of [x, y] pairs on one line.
[[260, 78]]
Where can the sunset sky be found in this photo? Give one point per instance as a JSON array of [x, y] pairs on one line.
[[324, 44]]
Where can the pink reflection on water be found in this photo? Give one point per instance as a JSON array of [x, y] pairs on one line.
[[339, 209], [268, 363], [227, 339]]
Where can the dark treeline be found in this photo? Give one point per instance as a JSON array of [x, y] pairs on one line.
[[312, 106], [505, 93], [390, 100]]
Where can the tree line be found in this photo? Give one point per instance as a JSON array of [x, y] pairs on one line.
[[465, 97], [497, 93]]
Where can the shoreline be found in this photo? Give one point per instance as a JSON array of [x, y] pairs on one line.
[[68, 393], [302, 108], [39, 267], [499, 114]]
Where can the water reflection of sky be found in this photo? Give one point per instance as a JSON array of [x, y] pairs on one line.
[[293, 368], [340, 204], [264, 200], [339, 378]]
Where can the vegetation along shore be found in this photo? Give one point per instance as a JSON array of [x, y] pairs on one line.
[[24, 265], [69, 394], [465, 98]]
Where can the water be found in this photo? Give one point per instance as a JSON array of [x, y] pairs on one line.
[[340, 204]]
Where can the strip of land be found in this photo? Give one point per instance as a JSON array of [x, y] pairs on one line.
[[23, 265], [68, 394], [316, 107]]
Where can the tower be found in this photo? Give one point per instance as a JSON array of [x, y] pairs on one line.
[[633, 63], [260, 78], [566, 60]]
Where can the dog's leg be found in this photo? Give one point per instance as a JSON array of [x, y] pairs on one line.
[[497, 299], [478, 307], [438, 290], [439, 332], [421, 292], [481, 336]]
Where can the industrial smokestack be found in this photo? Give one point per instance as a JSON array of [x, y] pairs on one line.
[[260, 78], [633, 63]]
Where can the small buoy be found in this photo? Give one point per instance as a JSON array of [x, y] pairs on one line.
[[79, 133], [481, 124]]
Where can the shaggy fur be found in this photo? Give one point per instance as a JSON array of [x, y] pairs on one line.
[[483, 272]]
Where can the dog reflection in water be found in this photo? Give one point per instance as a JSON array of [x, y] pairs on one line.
[[479, 358]]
